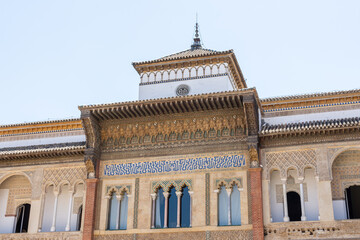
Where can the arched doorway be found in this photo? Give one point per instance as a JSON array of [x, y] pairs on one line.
[[352, 202], [345, 185], [22, 218], [294, 206], [79, 216]]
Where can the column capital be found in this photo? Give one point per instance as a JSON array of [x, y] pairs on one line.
[[153, 196], [178, 193], [166, 194], [56, 193], [107, 197], [190, 193], [301, 179], [283, 180], [119, 197]]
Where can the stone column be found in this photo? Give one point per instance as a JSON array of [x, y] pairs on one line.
[[153, 199], [118, 198], [53, 226], [108, 200], [303, 214], [228, 191], [89, 208], [286, 213], [178, 194], [191, 202], [67, 228], [166, 195]]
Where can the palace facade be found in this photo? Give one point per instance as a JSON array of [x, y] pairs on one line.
[[198, 156]]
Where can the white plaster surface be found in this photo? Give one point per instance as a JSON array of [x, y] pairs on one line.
[[197, 86], [48, 210], [6, 223], [339, 209], [43, 140], [312, 117], [277, 209], [311, 206]]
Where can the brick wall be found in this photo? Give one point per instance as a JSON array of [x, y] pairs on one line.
[[256, 203], [89, 219]]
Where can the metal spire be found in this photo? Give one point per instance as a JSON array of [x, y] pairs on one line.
[[197, 42]]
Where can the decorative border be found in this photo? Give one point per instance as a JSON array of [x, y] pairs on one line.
[[166, 185], [207, 200], [313, 106], [184, 79], [136, 204], [188, 164]]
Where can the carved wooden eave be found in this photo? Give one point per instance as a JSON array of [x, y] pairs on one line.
[[40, 127], [195, 60], [173, 105], [68, 151], [308, 101]]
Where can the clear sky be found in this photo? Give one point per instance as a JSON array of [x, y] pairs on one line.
[[56, 55]]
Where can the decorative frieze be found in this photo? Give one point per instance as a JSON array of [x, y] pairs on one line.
[[194, 128], [69, 175], [179, 165]]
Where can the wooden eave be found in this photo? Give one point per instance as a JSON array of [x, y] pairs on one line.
[[174, 105], [41, 127], [310, 99]]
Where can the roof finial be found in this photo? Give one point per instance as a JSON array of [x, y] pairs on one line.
[[197, 42]]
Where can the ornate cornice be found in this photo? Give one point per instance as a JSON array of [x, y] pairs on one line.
[[172, 105], [308, 101], [41, 127]]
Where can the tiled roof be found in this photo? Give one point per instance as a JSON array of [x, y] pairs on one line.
[[43, 152], [310, 95], [186, 54], [312, 125], [42, 147]]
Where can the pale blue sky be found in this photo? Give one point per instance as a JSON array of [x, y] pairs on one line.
[[56, 55]]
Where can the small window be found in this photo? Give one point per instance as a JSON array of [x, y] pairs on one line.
[[22, 218]]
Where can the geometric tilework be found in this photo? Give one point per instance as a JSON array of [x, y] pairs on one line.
[[207, 200], [136, 203]]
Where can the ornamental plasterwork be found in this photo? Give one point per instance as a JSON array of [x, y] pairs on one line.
[[345, 172], [283, 161], [118, 189], [166, 185], [193, 128], [229, 183], [58, 176]]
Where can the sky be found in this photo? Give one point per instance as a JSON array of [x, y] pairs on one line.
[[57, 55]]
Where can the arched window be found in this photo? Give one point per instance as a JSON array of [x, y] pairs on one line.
[[160, 209], [165, 208], [118, 208], [185, 207], [22, 218], [223, 207], [229, 212]]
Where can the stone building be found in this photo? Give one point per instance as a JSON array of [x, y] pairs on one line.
[[198, 156]]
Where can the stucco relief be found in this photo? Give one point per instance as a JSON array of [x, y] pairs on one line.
[[58, 176], [297, 159]]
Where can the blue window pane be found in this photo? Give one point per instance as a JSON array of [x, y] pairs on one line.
[[113, 208], [160, 209], [235, 206], [185, 208], [223, 207], [172, 208], [123, 212]]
